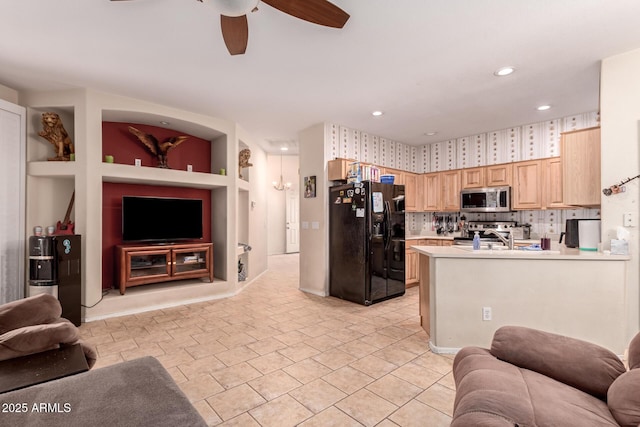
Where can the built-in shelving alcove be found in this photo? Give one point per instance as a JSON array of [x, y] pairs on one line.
[[97, 123]]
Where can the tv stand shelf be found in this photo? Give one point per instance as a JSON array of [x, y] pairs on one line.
[[144, 264]]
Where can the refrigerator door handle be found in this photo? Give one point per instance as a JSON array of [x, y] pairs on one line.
[[387, 225]]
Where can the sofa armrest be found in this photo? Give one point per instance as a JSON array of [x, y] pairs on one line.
[[580, 364], [35, 310]]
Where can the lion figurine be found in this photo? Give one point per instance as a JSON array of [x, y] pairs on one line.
[[54, 132], [244, 160]]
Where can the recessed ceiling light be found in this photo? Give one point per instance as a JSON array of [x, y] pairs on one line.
[[504, 71], [284, 148], [431, 133], [543, 107], [164, 122], [377, 113]]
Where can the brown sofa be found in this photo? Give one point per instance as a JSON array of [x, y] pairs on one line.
[[536, 378], [33, 325]]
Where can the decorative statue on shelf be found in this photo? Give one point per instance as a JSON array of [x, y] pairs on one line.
[[244, 160], [159, 149], [54, 132]]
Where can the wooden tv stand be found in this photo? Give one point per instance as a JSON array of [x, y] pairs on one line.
[[144, 264]]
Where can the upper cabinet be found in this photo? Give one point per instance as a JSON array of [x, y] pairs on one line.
[[581, 167], [527, 185], [431, 192], [553, 191], [451, 191], [473, 177], [411, 193], [498, 175], [486, 176]]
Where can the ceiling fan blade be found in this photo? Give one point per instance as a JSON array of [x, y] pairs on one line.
[[235, 31], [320, 12]]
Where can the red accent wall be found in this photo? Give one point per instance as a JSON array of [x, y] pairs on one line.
[[118, 142], [125, 148]]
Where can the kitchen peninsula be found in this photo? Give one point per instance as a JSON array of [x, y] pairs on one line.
[[465, 295]]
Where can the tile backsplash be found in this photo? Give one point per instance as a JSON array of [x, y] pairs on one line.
[[550, 221]]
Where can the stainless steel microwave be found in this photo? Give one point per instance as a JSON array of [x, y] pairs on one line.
[[490, 199]]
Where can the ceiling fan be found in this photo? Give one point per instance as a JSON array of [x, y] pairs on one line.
[[235, 28]]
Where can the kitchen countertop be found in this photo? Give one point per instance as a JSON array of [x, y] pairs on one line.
[[431, 236], [562, 254]]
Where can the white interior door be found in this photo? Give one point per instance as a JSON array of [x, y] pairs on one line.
[[293, 222]]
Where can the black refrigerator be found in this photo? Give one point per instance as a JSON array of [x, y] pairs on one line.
[[366, 242]]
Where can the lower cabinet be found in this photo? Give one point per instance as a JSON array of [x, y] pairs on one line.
[[412, 273], [141, 265], [412, 258]]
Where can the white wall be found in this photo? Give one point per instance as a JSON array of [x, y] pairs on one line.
[[276, 200], [620, 111], [314, 242], [8, 94]]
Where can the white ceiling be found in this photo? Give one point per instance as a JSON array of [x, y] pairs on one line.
[[427, 64]]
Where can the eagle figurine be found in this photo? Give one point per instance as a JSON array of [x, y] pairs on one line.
[[159, 149]]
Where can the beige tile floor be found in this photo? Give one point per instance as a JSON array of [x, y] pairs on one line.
[[275, 356]]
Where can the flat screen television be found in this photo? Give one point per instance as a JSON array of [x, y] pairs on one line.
[[161, 219]]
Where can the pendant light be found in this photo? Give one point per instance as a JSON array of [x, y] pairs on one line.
[[281, 185]]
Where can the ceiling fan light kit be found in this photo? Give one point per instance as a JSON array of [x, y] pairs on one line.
[[235, 7], [235, 28]]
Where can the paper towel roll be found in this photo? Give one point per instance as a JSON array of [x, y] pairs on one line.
[[589, 235]]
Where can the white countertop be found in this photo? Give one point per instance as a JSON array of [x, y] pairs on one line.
[[431, 236], [562, 254]]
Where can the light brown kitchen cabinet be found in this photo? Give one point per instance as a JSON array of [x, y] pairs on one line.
[[411, 194], [553, 188], [451, 191], [473, 177], [412, 275], [581, 167], [431, 192], [337, 169], [527, 185], [498, 175]]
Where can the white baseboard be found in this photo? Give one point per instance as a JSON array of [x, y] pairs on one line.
[[314, 292], [442, 350]]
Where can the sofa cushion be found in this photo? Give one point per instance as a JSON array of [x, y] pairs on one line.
[[42, 308], [634, 352], [491, 392], [624, 398], [36, 338], [580, 364], [138, 392]]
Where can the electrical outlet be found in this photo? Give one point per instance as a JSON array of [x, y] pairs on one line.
[[138, 162], [628, 219], [189, 168], [486, 313]]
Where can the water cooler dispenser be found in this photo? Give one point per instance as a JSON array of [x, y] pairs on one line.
[[42, 275], [54, 268]]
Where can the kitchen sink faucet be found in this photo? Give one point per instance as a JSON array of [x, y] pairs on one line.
[[508, 242]]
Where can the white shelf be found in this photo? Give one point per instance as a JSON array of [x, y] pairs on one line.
[[113, 172], [243, 185], [52, 169]]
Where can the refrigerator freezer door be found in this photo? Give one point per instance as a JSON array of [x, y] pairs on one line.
[[349, 276], [395, 255]]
